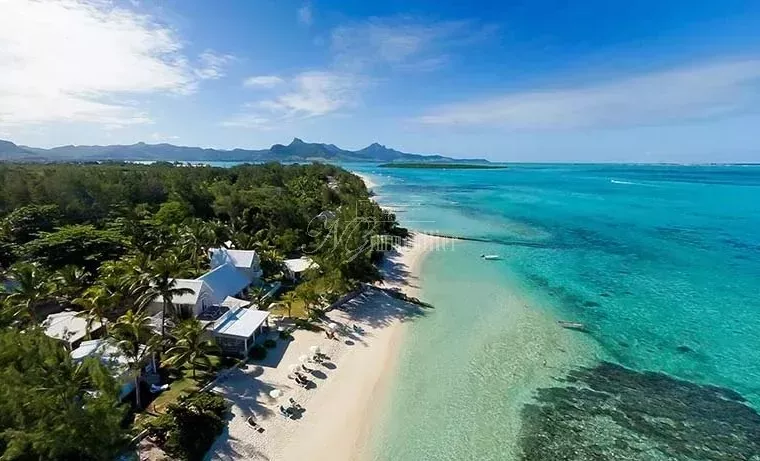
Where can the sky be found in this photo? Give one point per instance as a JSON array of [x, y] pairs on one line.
[[528, 81]]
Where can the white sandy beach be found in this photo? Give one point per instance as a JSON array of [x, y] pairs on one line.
[[339, 410]]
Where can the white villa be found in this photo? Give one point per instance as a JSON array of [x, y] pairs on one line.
[[294, 268], [245, 261], [110, 356], [218, 299], [69, 327], [235, 331]]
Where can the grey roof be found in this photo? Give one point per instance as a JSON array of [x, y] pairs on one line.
[[225, 281], [68, 326]]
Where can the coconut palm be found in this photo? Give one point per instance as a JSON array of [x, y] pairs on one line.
[[162, 284], [70, 281], [191, 346], [133, 335], [288, 300], [97, 301], [31, 289]]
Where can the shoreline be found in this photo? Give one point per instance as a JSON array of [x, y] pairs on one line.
[[343, 408]]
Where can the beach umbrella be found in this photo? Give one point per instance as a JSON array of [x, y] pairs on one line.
[[275, 393], [303, 358], [333, 326], [314, 350], [294, 367]]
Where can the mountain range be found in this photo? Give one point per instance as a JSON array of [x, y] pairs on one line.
[[296, 151]]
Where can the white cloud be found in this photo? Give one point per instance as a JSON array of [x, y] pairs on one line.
[[212, 65], [402, 42], [160, 137], [309, 94], [306, 15], [87, 61], [697, 92], [263, 81]]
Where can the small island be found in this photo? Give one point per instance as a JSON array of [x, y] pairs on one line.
[[443, 166]]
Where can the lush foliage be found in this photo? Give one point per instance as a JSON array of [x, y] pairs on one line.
[[50, 406], [190, 426], [107, 239]]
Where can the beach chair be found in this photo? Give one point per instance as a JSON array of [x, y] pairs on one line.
[[295, 404]]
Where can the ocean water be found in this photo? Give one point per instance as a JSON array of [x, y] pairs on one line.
[[661, 263]]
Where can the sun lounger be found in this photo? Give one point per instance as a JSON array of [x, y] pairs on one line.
[[295, 404]]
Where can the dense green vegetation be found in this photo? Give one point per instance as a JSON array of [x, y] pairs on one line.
[[443, 166], [107, 239]]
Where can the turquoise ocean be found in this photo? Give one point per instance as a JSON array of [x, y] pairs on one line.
[[660, 263]]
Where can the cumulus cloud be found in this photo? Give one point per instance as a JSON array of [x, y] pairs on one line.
[[403, 42], [263, 81], [698, 92], [309, 94], [87, 61]]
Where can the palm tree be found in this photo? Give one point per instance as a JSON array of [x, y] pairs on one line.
[[191, 346], [133, 335], [31, 289], [70, 281], [97, 301], [288, 300], [258, 296], [161, 284]]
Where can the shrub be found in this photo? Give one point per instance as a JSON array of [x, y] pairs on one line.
[[258, 352], [270, 343], [191, 425]]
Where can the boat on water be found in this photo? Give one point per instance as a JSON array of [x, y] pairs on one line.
[[490, 257], [572, 325]]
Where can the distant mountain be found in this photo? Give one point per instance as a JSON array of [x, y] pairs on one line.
[[296, 151]]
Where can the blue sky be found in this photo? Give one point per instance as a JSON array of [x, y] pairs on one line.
[[534, 80]]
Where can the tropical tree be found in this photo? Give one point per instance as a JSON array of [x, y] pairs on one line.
[[162, 284], [97, 302], [133, 334], [32, 288], [308, 294], [288, 300], [52, 407], [191, 346], [258, 297], [70, 281]]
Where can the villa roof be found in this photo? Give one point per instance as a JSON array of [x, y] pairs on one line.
[[298, 265], [234, 303], [241, 322], [225, 281], [199, 288], [238, 258], [68, 326]]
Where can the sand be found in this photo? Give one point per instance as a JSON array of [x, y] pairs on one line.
[[341, 409]]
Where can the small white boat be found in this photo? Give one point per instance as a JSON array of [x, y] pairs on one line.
[[490, 257]]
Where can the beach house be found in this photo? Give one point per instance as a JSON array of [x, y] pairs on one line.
[[70, 327], [115, 362], [294, 268], [199, 298], [246, 262]]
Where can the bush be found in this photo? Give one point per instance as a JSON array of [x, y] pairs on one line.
[[258, 352], [270, 343], [190, 426], [285, 335]]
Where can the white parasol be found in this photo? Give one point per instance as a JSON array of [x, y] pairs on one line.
[[303, 358], [314, 350], [293, 368], [275, 393], [333, 326]]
